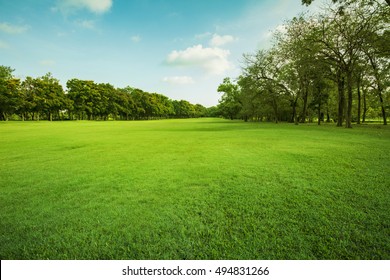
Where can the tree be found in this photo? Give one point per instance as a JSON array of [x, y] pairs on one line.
[[342, 36], [83, 94], [127, 105], [9, 93], [230, 103], [265, 68], [183, 109], [300, 65], [37, 98], [376, 49], [348, 43], [52, 94]]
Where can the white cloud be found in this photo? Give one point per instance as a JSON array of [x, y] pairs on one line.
[[136, 38], [179, 80], [218, 40], [213, 60], [12, 29], [94, 6]]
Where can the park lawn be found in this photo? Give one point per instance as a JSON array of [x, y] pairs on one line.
[[193, 189]]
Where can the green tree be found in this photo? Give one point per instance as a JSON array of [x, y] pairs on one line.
[[183, 109], [126, 102], [83, 95], [230, 103], [9, 93], [52, 95], [266, 68], [376, 50]]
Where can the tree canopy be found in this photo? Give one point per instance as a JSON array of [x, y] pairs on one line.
[[308, 2], [45, 98], [333, 66]]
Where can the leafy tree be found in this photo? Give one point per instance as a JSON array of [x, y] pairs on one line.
[[126, 103], [230, 104], [347, 44], [213, 112], [36, 98], [298, 62], [53, 95], [9, 92], [200, 111], [376, 49], [265, 68], [83, 95], [183, 109]]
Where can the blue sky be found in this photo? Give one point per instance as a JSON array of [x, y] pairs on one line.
[[180, 48]]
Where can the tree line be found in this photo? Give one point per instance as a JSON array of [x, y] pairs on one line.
[[332, 66], [45, 98]]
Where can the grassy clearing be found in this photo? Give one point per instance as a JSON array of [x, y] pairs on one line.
[[193, 189]]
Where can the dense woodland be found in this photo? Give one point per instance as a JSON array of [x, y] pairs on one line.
[[45, 98], [333, 66]]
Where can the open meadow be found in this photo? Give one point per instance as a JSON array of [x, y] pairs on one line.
[[193, 189]]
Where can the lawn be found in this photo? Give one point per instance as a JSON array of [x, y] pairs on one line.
[[193, 189]]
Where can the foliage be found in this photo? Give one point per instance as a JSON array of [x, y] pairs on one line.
[[320, 65], [308, 2], [230, 103], [35, 98]]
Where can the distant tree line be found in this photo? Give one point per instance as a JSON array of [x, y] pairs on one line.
[[45, 98], [334, 66]]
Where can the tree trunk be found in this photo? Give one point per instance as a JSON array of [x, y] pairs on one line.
[[364, 106], [349, 103], [275, 107], [304, 111], [359, 100], [340, 87], [382, 105], [319, 108], [327, 113], [319, 115], [294, 115], [379, 87]]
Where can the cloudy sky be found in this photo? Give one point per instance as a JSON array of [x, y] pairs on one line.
[[180, 48]]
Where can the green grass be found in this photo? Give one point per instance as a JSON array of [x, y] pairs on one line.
[[193, 189]]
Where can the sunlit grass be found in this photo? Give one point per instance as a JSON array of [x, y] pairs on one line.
[[193, 189]]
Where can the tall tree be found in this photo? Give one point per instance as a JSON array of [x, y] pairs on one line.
[[9, 92], [53, 95], [342, 36], [230, 103], [376, 49]]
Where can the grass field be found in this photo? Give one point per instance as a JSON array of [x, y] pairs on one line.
[[193, 189]]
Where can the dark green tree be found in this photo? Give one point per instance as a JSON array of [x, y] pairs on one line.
[[230, 103], [9, 93]]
